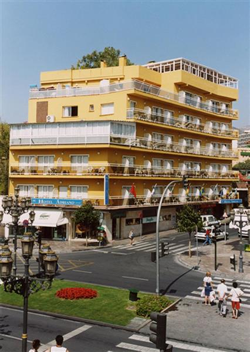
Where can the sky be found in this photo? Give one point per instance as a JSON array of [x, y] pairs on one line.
[[38, 36]]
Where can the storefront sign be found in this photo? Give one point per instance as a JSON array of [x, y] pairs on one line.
[[106, 189], [55, 201], [230, 201], [118, 214]]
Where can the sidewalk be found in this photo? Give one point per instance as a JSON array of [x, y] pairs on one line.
[[193, 322], [205, 259]]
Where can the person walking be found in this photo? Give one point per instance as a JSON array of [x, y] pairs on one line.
[[58, 347], [235, 293], [208, 287], [131, 237], [222, 293], [208, 238], [35, 345]]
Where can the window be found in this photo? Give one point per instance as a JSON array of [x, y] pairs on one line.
[[168, 116], [157, 137], [107, 109], [128, 160], [122, 129], [70, 111], [45, 161], [79, 192], [26, 160], [26, 190], [214, 106], [91, 108], [45, 191], [78, 161]]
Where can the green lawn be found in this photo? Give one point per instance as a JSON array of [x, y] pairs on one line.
[[110, 306]]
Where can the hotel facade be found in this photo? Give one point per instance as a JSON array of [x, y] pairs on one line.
[[117, 136]]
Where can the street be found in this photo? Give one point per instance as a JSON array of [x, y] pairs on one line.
[[77, 335]]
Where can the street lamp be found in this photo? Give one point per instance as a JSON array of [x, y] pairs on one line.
[[26, 284], [184, 181], [240, 224], [16, 207]]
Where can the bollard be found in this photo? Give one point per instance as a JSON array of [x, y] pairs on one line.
[[233, 261], [153, 256]]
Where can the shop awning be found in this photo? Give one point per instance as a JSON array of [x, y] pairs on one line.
[[46, 218]]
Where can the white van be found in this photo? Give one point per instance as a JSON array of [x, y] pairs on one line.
[[232, 224], [209, 220]]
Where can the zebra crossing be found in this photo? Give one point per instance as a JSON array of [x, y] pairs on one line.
[[243, 285], [145, 246], [141, 343]]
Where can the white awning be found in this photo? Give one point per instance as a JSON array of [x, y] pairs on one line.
[[46, 218]]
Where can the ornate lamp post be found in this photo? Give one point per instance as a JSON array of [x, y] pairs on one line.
[[240, 224], [16, 207], [26, 284]]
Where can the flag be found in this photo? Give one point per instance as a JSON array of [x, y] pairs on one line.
[[154, 190], [202, 191], [241, 177], [187, 191], [132, 190], [221, 192]]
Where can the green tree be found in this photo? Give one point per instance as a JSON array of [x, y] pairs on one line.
[[243, 166], [4, 157], [87, 217], [189, 220], [93, 60]]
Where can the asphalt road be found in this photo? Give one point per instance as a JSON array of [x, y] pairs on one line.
[[78, 337], [128, 267]]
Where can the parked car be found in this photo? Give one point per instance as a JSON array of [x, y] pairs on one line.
[[209, 220], [201, 235]]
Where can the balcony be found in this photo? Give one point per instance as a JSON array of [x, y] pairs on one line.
[[138, 142], [178, 123], [131, 85], [117, 170]]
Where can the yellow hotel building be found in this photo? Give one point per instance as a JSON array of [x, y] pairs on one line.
[[115, 127]]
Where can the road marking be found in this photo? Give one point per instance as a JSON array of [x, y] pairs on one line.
[[72, 263], [202, 299], [239, 281], [69, 335], [83, 271], [134, 278], [130, 347], [100, 251], [175, 344], [119, 253]]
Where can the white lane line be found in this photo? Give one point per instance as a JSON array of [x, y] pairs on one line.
[[119, 253], [14, 337], [70, 335], [245, 294], [83, 271], [136, 248], [134, 278], [100, 251], [130, 347], [239, 281], [180, 345], [201, 299]]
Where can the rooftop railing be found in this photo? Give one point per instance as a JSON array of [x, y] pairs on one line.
[[120, 170], [128, 85], [177, 122]]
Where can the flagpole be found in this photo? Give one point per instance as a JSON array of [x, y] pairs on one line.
[[158, 236]]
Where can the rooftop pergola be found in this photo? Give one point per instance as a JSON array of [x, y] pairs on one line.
[[195, 69]]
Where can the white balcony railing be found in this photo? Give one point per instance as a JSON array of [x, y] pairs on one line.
[[137, 142], [120, 170], [130, 85], [177, 122]]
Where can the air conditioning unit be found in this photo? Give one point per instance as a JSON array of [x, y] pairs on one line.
[[50, 118]]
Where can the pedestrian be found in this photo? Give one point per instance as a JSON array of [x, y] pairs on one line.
[[208, 238], [222, 293], [131, 237], [35, 345], [58, 347], [212, 298], [208, 287], [235, 293]]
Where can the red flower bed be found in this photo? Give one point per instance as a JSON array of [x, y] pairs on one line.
[[76, 293]]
